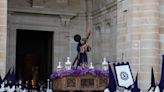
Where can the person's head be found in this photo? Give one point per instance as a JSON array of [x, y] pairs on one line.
[[77, 38], [83, 40]]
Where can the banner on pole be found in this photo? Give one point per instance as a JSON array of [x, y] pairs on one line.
[[123, 75]]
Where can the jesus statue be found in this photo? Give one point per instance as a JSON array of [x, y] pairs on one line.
[[82, 49]]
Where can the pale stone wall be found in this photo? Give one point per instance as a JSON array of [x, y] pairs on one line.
[[104, 30], [48, 5], [123, 32], [101, 4], [63, 17], [150, 46], [3, 38], [161, 30]]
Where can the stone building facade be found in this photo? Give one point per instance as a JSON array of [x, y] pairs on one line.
[[3, 40], [129, 28]]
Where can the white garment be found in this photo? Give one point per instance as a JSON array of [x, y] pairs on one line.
[[49, 90], [127, 90], [157, 89], [2, 89], [106, 90], [117, 91], [24, 90], [8, 89], [11, 89], [41, 89], [151, 90], [49, 85]]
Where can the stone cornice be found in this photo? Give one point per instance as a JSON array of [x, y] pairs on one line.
[[42, 11]]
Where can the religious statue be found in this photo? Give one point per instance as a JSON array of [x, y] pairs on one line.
[[82, 49]]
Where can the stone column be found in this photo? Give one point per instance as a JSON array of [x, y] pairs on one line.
[[3, 33], [138, 23], [149, 44]]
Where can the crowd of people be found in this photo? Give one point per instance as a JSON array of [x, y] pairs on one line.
[[9, 84]]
